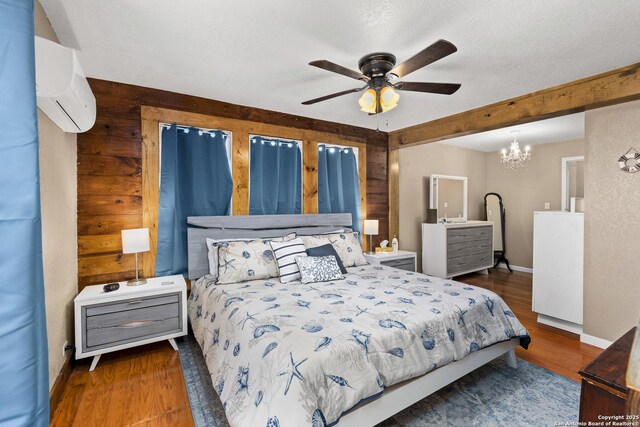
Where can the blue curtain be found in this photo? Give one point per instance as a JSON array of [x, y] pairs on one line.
[[195, 180], [24, 376], [275, 185], [338, 185]]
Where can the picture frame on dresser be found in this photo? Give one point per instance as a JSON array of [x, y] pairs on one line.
[[129, 316]]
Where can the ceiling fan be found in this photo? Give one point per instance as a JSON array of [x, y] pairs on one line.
[[377, 70]]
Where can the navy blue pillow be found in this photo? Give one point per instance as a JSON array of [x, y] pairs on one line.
[[326, 250]]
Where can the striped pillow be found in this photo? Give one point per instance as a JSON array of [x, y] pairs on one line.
[[285, 254]]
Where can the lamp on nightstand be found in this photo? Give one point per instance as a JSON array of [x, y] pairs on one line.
[[371, 229], [135, 241]]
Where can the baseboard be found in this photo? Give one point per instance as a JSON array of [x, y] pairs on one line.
[[516, 268], [595, 341], [55, 395]]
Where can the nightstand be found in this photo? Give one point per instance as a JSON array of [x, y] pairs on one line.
[[130, 316], [404, 260]]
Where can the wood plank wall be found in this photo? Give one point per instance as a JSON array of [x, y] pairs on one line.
[[110, 169]]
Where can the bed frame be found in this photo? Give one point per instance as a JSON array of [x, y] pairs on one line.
[[395, 398]]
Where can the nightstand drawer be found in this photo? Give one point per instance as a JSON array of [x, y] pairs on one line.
[[403, 264], [158, 312], [130, 331], [136, 303]]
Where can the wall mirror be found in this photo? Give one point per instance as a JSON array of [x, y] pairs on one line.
[[448, 194]]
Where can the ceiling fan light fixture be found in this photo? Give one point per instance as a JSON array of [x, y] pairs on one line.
[[368, 101], [388, 99]]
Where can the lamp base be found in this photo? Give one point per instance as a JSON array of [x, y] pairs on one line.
[[136, 282]]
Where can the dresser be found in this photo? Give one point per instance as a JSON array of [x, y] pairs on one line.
[[604, 391], [129, 316], [453, 249], [558, 259]]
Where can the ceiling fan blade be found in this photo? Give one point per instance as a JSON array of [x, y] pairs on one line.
[[333, 95], [441, 88], [436, 51], [335, 68]]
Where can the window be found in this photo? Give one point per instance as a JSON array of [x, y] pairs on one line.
[[275, 176], [195, 180], [338, 182]]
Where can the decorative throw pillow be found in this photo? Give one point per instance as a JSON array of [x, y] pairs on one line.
[[318, 269], [346, 244], [285, 254], [326, 250], [241, 260], [212, 252]]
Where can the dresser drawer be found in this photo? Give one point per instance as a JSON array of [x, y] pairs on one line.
[[469, 234], [469, 248], [112, 307], [402, 264], [131, 331], [469, 263], [157, 312]]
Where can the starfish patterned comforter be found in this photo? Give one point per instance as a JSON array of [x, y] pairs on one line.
[[294, 355]]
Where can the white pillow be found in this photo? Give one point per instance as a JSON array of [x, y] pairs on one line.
[[285, 254], [213, 244]]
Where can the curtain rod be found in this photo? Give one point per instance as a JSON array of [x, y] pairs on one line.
[[201, 131]]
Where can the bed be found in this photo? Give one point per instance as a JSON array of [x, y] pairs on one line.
[[353, 351]]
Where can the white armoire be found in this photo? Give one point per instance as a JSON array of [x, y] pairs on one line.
[[558, 259]]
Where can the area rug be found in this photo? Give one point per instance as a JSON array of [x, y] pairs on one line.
[[493, 395]]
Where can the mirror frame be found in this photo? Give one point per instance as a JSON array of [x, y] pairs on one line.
[[564, 204], [433, 195]]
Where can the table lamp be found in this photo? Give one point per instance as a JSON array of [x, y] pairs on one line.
[[135, 241], [371, 229]]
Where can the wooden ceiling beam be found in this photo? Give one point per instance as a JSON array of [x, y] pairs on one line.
[[613, 87]]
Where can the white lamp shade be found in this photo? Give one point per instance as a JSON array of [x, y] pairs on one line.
[[135, 240], [371, 227]]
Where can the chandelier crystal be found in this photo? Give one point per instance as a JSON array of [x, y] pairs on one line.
[[515, 158]]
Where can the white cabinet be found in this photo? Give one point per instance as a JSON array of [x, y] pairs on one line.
[[453, 249], [558, 259]]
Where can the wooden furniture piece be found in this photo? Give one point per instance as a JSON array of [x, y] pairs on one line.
[[604, 390], [558, 258], [453, 249], [394, 399], [404, 260], [130, 316]]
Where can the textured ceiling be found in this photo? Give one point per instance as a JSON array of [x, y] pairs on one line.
[[255, 53], [565, 128]]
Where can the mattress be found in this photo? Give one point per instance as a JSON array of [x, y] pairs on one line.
[[294, 354]]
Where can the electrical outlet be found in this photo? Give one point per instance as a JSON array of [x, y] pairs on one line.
[[547, 205], [446, 205], [64, 348]]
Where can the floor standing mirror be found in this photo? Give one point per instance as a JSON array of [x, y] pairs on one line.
[[494, 211]]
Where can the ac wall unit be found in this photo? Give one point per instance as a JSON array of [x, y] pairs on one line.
[[62, 88]]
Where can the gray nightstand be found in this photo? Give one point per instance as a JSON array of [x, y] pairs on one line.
[[130, 316], [404, 260]]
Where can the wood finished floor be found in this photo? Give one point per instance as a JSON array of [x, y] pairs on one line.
[[145, 386]]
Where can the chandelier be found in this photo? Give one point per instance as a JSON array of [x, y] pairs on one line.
[[515, 158]]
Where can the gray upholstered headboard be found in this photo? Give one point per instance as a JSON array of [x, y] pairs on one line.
[[229, 227]]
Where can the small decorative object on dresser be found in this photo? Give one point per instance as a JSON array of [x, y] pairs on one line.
[[135, 241], [129, 316], [452, 249], [404, 260]]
